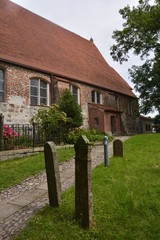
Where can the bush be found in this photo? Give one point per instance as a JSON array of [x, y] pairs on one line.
[[9, 136], [68, 104], [49, 120], [92, 135]]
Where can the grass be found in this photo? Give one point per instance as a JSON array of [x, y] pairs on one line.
[[126, 200], [65, 154], [14, 171]]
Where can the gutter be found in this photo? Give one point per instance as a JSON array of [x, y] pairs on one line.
[[65, 77]]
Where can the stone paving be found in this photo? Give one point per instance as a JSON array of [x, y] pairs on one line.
[[19, 203]]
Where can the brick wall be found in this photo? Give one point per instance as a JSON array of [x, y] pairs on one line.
[[125, 123], [16, 107], [94, 113], [117, 123]]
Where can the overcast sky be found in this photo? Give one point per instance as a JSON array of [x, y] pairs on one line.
[[87, 18]]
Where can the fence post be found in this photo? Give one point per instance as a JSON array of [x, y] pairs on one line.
[[34, 125], [13, 136], [1, 132], [83, 182], [106, 154], [60, 132]]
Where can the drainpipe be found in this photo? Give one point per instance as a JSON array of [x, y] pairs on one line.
[[51, 90]]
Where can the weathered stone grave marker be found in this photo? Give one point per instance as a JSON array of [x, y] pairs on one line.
[[53, 175], [118, 150], [83, 182]]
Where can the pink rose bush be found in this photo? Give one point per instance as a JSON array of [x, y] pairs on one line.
[[9, 134]]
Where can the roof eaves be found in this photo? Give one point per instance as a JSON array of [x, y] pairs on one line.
[[105, 108], [62, 76]]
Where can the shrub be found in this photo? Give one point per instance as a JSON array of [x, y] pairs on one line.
[[49, 119], [68, 104], [92, 135], [9, 135]]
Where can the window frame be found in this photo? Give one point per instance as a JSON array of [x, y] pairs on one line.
[[96, 97], [96, 122], [117, 102], [4, 83], [130, 108], [39, 80], [71, 86], [149, 127]]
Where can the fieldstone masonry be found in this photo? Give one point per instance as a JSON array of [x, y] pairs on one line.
[[118, 150], [16, 106], [83, 182], [53, 175]]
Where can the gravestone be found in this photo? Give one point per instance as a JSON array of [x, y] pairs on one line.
[[53, 175], [118, 150], [83, 182]]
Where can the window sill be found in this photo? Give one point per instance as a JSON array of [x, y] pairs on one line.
[[39, 105], [96, 103]]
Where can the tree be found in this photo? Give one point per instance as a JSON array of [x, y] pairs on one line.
[[68, 104], [156, 119], [141, 33], [156, 122]]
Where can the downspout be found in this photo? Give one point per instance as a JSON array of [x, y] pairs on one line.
[[51, 89]]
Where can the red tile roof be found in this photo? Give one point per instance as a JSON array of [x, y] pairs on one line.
[[32, 41], [146, 118]]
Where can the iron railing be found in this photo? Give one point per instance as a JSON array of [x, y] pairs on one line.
[[21, 136]]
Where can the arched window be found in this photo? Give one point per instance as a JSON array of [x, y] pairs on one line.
[[75, 91], [39, 92], [2, 82]]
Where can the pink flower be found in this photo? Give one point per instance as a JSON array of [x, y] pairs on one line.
[[9, 134], [15, 134]]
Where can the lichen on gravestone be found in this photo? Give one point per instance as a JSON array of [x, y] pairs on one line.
[[83, 182], [118, 148], [53, 175]]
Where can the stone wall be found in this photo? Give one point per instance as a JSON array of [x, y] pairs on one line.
[[16, 107], [17, 113], [130, 124]]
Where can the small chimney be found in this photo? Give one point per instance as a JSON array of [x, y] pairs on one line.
[[91, 40]]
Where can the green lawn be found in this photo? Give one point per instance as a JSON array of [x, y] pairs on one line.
[[14, 171], [126, 200]]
